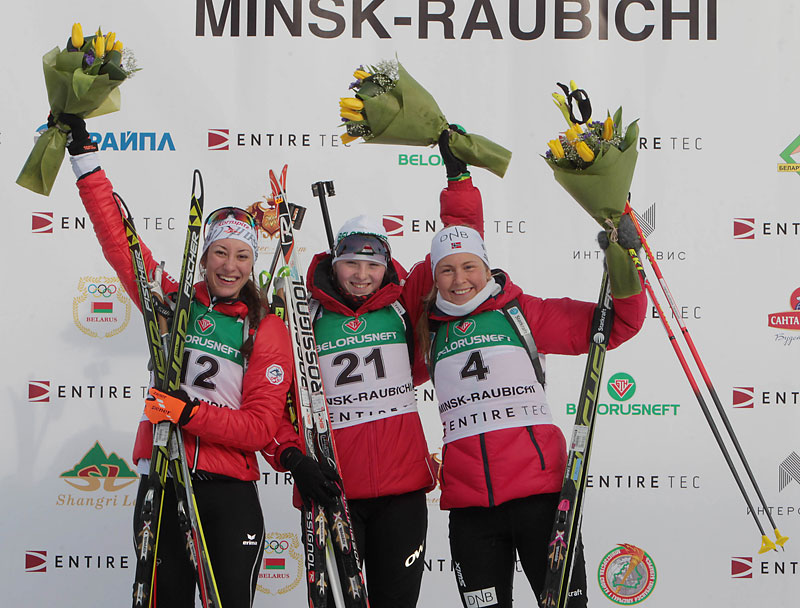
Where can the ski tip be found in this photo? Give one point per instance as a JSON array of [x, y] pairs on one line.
[[780, 539], [766, 545]]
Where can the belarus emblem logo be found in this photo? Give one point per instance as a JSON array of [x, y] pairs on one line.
[[354, 326], [621, 386], [101, 309], [627, 574], [465, 327]]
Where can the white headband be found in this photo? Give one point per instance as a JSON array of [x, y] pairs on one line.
[[457, 239], [231, 228]]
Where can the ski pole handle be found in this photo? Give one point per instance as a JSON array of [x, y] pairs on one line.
[[319, 189]]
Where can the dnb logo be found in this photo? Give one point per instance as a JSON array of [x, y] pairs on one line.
[[627, 574], [204, 326], [393, 225], [354, 326], [465, 328], [218, 139], [101, 309], [282, 565], [621, 386], [97, 470]]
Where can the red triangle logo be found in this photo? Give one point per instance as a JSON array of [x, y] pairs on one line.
[[622, 386]]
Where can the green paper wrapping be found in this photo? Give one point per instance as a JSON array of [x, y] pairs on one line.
[[408, 115], [602, 188], [69, 90]]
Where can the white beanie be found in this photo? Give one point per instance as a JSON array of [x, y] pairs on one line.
[[457, 239], [362, 238]]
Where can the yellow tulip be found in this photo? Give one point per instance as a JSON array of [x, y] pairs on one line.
[[351, 115], [346, 138], [572, 134], [556, 148], [584, 151], [98, 33], [99, 46], [561, 102], [608, 129], [118, 46], [351, 103], [77, 35], [110, 40], [361, 74], [572, 85]]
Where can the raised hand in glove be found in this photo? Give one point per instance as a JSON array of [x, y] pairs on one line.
[[78, 142], [622, 272], [456, 168], [174, 406], [316, 481]]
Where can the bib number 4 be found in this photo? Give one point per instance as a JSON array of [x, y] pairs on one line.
[[474, 367]]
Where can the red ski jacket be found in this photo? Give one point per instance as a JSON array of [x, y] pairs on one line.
[[388, 456], [501, 465], [228, 439]]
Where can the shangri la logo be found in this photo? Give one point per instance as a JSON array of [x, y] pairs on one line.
[[98, 470], [282, 565], [101, 309]]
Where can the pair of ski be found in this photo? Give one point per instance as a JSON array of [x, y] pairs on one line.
[[166, 343], [566, 527], [331, 555]]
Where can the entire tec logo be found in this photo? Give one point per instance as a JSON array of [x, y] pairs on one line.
[[750, 397], [45, 222], [744, 567], [35, 561], [101, 309], [621, 388], [398, 225], [787, 320], [393, 225], [790, 164], [282, 565], [224, 139], [627, 574], [39, 391], [747, 228]]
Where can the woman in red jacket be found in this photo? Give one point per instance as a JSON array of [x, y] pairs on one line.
[[503, 458], [237, 370], [366, 352]]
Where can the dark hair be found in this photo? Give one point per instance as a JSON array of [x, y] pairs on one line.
[[256, 306]]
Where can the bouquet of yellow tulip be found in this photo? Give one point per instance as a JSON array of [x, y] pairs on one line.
[[594, 160], [390, 107], [82, 79]]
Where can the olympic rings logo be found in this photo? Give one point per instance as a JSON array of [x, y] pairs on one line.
[[101, 289], [276, 546]]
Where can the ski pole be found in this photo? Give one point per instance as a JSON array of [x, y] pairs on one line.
[[319, 189], [766, 543]]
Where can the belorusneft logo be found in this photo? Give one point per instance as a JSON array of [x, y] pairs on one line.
[[98, 477], [101, 309], [745, 567], [787, 321], [130, 141], [791, 157], [627, 574], [752, 397], [621, 388], [748, 228], [228, 139], [46, 222]]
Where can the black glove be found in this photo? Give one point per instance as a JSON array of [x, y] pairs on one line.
[[622, 271], [626, 235], [80, 143], [454, 166], [316, 481]]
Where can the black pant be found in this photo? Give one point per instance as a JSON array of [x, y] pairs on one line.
[[483, 542], [233, 526], [390, 537]]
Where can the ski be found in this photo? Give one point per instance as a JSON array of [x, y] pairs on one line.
[[566, 527], [328, 530], [166, 346]]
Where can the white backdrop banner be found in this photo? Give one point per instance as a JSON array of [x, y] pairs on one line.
[[235, 87]]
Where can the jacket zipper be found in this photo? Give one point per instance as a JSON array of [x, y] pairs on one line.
[[536, 445], [485, 457]]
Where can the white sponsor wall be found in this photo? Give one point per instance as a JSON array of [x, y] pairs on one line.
[[715, 92]]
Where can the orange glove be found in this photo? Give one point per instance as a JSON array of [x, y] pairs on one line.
[[175, 406]]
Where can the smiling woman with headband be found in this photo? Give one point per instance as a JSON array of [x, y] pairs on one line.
[[237, 371]]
